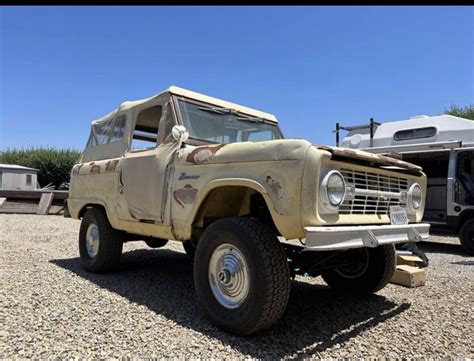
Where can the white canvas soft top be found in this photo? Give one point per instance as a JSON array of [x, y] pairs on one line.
[[192, 95]]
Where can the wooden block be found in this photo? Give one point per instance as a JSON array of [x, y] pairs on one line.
[[408, 260], [45, 203], [23, 207], [409, 276], [35, 194], [2, 201]]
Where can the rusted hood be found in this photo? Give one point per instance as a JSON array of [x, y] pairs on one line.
[[274, 150], [372, 158]]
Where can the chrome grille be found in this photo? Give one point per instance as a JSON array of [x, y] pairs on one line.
[[366, 181]]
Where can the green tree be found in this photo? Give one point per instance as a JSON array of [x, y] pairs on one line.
[[463, 112], [54, 165]]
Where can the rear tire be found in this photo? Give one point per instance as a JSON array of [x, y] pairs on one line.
[[241, 275], [100, 245], [466, 236], [374, 272]]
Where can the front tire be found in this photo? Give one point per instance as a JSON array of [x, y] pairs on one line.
[[373, 270], [241, 275], [100, 245], [466, 236]]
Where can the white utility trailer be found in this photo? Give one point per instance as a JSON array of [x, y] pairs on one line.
[[14, 176], [444, 146]]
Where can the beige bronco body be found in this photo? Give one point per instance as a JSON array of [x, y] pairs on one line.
[[202, 159]]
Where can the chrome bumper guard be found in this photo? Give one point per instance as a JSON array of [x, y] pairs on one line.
[[346, 237]]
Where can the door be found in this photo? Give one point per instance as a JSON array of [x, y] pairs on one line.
[[435, 165], [145, 168], [464, 190]]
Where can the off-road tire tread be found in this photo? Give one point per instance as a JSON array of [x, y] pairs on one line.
[[373, 280], [111, 243], [390, 260], [275, 270]]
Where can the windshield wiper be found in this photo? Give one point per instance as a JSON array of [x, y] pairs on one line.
[[217, 110], [224, 111], [251, 119]]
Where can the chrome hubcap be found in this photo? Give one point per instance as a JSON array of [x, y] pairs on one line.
[[229, 276], [92, 240]]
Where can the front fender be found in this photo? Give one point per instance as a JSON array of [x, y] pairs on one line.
[[288, 224]]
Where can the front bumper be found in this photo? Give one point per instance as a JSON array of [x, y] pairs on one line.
[[346, 237]]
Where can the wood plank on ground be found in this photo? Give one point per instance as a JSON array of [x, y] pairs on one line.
[[22, 207], [29, 207], [33, 194], [45, 203], [2, 201]]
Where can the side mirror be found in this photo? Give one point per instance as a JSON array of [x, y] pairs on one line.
[[180, 134]]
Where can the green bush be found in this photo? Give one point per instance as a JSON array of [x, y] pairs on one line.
[[463, 112], [54, 164]]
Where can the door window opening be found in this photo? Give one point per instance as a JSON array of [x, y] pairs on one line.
[[145, 134]]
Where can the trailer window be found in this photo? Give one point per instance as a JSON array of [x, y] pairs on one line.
[[28, 179], [417, 133]]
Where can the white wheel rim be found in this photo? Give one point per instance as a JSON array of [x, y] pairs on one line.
[[92, 240], [229, 276]]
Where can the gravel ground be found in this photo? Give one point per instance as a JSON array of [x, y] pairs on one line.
[[51, 307]]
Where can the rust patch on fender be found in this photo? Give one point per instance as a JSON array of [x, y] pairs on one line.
[[203, 154], [111, 165], [275, 186], [185, 195]]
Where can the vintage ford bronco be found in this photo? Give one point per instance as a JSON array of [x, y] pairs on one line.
[[252, 209]]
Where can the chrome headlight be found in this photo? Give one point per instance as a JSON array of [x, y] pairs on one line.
[[333, 188], [415, 196]]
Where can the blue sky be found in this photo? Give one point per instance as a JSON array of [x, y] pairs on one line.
[[62, 67]]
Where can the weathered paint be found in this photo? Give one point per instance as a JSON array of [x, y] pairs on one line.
[[285, 172], [185, 195], [94, 168], [275, 186], [77, 168], [370, 157], [110, 165], [203, 154]]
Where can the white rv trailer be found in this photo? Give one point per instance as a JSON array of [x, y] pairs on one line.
[[444, 146]]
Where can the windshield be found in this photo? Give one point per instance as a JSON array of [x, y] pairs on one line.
[[222, 125]]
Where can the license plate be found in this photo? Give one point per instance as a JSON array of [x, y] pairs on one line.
[[398, 215]]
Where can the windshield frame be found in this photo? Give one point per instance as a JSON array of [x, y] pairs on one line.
[[198, 141]]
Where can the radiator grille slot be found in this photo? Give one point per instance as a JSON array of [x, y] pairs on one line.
[[366, 204]]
